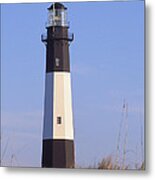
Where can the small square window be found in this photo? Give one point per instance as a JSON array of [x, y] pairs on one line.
[[57, 62], [59, 120]]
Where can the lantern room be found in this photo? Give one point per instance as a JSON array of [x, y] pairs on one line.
[[57, 15]]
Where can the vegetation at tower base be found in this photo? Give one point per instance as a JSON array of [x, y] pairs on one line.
[[108, 163]]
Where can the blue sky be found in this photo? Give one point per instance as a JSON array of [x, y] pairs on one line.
[[107, 66]]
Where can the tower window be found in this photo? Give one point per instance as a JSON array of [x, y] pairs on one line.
[[57, 62], [59, 120]]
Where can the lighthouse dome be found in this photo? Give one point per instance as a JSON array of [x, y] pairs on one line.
[[57, 6]]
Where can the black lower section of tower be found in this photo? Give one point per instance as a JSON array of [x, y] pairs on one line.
[[58, 153]]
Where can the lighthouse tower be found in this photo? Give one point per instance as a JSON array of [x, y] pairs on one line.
[[58, 133]]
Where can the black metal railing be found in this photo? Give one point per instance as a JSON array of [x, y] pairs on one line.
[[69, 37], [44, 37]]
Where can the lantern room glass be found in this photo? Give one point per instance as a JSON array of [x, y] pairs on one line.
[[57, 17]]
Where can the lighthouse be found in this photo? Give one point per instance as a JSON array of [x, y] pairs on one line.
[[58, 130]]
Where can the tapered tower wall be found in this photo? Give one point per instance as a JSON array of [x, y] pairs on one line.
[[58, 131]]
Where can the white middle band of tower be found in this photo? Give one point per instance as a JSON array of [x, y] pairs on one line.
[[58, 117]]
